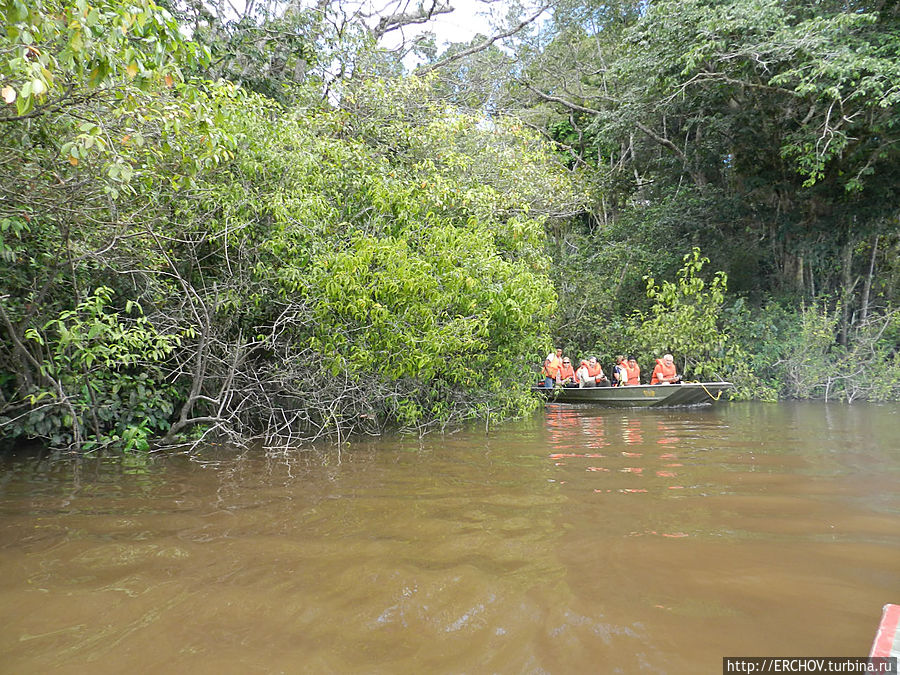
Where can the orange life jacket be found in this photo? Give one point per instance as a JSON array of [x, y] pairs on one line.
[[552, 366], [596, 371], [566, 371], [634, 374], [663, 371]]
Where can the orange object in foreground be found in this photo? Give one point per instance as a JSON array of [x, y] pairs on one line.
[[887, 639]]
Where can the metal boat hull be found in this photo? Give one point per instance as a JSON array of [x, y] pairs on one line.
[[640, 396]]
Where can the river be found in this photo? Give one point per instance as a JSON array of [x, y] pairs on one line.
[[577, 540]]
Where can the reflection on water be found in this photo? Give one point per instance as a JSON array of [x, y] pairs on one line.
[[580, 540]]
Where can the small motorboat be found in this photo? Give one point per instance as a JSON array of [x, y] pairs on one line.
[[639, 396]]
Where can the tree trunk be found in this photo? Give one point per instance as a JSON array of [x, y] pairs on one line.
[[792, 277], [846, 291], [812, 282], [867, 287]]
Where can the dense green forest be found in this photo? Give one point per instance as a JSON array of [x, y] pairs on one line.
[[309, 221]]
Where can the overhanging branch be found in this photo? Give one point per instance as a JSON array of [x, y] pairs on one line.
[[481, 46], [422, 14]]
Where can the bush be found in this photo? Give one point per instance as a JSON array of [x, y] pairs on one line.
[[795, 354]]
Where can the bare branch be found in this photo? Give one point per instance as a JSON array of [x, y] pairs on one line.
[[481, 46], [422, 14]]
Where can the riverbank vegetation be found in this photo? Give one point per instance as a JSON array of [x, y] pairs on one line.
[[275, 229]]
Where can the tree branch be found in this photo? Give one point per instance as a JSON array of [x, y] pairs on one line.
[[556, 99], [420, 15], [665, 142], [481, 46]]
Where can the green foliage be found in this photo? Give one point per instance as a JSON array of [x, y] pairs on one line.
[[89, 336], [376, 258], [794, 353], [61, 50], [835, 68], [684, 318], [111, 74], [107, 378], [766, 130], [426, 265], [329, 272], [270, 54], [806, 360]]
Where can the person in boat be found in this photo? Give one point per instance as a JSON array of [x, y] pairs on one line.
[[582, 372], [665, 372], [590, 374], [566, 376], [620, 373], [633, 370], [552, 364]]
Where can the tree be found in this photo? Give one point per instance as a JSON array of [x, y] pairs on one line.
[[782, 119], [280, 276], [63, 53], [685, 319]]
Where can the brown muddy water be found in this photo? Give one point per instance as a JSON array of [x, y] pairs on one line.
[[578, 540]]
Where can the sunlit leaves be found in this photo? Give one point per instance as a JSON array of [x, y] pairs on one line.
[[685, 320], [59, 49], [420, 262], [404, 248]]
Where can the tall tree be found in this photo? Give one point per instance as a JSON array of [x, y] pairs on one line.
[[782, 116]]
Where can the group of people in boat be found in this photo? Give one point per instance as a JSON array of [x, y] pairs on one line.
[[558, 372]]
